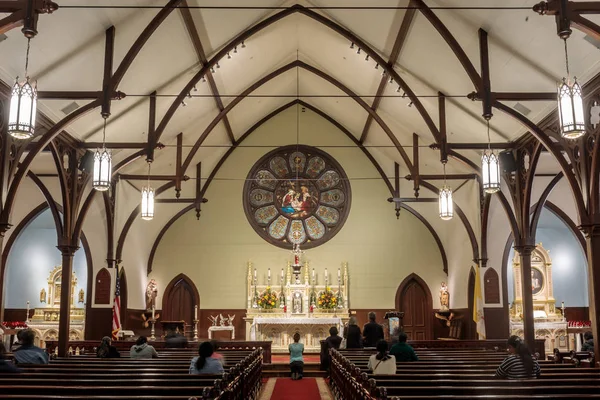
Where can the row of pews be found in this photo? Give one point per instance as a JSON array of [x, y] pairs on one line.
[[166, 377], [456, 373]]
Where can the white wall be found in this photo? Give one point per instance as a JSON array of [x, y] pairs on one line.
[[380, 250], [32, 257]]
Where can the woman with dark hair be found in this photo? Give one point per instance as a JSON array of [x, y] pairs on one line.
[[141, 349], [519, 364], [204, 363], [382, 363], [353, 335], [333, 341], [106, 350], [588, 345], [296, 360]]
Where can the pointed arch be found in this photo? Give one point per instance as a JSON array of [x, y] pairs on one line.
[[491, 286], [414, 298], [179, 299]]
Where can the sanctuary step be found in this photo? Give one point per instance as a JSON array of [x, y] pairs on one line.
[[311, 370]]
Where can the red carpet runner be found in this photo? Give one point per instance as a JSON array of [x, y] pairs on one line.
[[303, 389]]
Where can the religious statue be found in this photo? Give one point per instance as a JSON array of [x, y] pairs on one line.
[[297, 303], [214, 320], [444, 297], [223, 320], [43, 295], [230, 319], [151, 293], [81, 296]]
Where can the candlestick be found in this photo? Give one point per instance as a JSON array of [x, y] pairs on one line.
[[152, 312], [196, 329], [196, 312], [27, 319], [152, 337], [281, 275]]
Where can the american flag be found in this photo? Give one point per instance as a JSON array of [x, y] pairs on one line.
[[116, 320]]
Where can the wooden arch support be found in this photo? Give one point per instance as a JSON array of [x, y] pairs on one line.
[[257, 125]]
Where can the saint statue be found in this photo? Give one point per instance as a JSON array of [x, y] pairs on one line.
[[151, 293], [297, 303], [444, 297]]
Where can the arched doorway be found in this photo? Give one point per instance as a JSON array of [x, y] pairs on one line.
[[414, 299], [179, 300]]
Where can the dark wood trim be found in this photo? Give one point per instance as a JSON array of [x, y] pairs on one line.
[[541, 202], [110, 228], [108, 70], [556, 210], [448, 177], [49, 201], [485, 215], [486, 87], [171, 285], [420, 282]]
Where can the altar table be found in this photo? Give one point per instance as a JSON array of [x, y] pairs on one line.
[[281, 330], [221, 328]]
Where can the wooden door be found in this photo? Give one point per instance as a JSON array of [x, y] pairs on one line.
[[471, 325], [415, 301], [181, 296]]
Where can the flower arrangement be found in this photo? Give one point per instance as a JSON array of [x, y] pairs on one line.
[[580, 324], [267, 299], [14, 325], [327, 299]]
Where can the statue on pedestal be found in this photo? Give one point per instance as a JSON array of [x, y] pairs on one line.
[[444, 297], [151, 293]]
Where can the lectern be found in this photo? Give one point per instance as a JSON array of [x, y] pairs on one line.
[[175, 326]]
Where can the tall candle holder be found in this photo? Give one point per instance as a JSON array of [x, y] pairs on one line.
[[27, 317], [152, 332], [195, 339]]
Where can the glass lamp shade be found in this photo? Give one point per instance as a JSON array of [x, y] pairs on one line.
[[23, 105], [147, 203], [446, 206], [570, 109], [102, 169], [490, 172]]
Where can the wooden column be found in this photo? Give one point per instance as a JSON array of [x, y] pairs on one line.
[[68, 251], [528, 325]]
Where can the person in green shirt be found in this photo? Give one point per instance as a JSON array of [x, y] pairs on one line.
[[403, 351], [296, 359]]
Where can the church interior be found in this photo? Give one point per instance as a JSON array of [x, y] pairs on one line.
[[243, 171]]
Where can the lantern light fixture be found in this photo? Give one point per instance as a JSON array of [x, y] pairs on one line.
[[23, 105], [102, 165], [445, 201], [490, 167], [148, 199], [570, 105]]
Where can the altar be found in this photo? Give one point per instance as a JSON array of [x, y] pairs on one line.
[[549, 322], [292, 302]]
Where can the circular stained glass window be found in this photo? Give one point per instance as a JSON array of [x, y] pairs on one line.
[[297, 194]]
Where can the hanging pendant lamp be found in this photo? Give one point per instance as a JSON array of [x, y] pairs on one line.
[[490, 168], [148, 200], [570, 105], [23, 106], [445, 201], [102, 165]]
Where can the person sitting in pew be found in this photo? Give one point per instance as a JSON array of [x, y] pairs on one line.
[[588, 345], [382, 363], [218, 356], [107, 350], [204, 363], [352, 335], [28, 353], [403, 351], [519, 364], [141, 349], [6, 365]]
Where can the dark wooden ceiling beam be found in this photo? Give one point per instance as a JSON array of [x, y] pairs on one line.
[[570, 12], [409, 16], [441, 176], [24, 13], [514, 96], [474, 146], [190, 25]]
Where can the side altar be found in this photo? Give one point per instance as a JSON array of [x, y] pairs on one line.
[[295, 303], [549, 322]]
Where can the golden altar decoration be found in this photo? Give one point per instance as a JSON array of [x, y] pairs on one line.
[[297, 309], [44, 321], [549, 321]]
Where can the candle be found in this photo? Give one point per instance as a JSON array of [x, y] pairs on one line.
[[152, 312], [281, 273], [325, 273], [196, 312], [269, 273], [313, 273], [255, 272], [562, 304], [339, 272]]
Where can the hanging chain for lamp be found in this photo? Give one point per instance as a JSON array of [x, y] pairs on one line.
[[23, 105], [570, 105], [490, 167], [148, 199], [102, 165], [445, 199]]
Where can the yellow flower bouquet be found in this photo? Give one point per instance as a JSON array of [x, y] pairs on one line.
[[267, 299], [327, 299]]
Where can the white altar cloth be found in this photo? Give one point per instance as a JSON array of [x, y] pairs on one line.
[[331, 321]]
